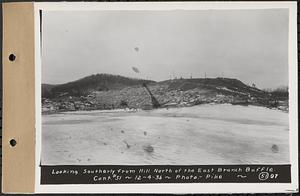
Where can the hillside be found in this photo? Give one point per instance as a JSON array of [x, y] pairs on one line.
[[46, 90], [224, 85], [103, 91], [86, 85]]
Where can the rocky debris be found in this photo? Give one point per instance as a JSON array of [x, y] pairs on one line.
[[137, 97]]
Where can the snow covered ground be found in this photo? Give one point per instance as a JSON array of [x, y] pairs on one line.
[[204, 134]]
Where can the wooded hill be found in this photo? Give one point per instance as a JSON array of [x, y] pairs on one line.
[[83, 86]]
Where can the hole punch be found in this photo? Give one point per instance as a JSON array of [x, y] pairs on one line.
[[13, 142], [12, 57]]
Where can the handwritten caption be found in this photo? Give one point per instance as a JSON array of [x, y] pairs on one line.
[[163, 174]]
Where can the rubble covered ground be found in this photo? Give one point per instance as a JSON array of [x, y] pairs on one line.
[[176, 93]]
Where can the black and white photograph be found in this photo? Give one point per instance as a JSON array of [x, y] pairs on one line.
[[150, 97], [165, 87], [138, 95], [171, 94]]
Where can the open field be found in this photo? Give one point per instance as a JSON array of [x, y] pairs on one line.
[[202, 134]]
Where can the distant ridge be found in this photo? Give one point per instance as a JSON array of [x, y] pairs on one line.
[[95, 82], [106, 82], [224, 85]]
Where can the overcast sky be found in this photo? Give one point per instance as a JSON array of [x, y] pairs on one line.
[[250, 45]]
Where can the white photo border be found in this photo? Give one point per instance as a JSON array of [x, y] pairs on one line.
[[171, 187]]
